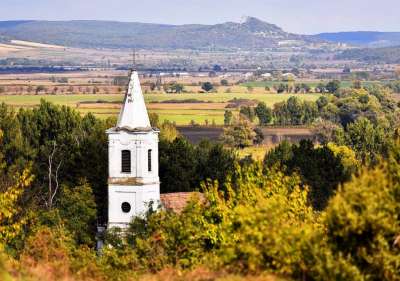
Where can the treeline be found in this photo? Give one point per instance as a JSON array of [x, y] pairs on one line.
[[59, 148], [264, 223], [326, 212], [62, 148], [37, 69], [303, 88], [338, 118], [343, 107], [259, 222], [389, 55], [59, 89], [288, 216]]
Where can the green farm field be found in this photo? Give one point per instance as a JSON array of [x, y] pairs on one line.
[[181, 113]]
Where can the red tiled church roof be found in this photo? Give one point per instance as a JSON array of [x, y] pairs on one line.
[[178, 201]]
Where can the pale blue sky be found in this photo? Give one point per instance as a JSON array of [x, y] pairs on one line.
[[299, 16]]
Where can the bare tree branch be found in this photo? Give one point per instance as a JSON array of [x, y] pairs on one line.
[[52, 192], [57, 184]]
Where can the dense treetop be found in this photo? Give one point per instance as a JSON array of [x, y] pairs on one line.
[[309, 211]]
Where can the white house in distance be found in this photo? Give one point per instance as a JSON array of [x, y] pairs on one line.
[[266, 75], [133, 182]]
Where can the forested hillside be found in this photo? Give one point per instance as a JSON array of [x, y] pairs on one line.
[[379, 55], [363, 38], [252, 33]]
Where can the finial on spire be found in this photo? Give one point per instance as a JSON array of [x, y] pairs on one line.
[[134, 59]]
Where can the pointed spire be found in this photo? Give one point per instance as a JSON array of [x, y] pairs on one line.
[[133, 115]]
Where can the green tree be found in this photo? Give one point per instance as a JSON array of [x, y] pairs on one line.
[[295, 110], [177, 166], [214, 162], [368, 141], [320, 168], [282, 88], [40, 89], [263, 113], [207, 86], [224, 82], [333, 86], [240, 134], [76, 146], [347, 157], [168, 131], [259, 137], [322, 102], [174, 87], [357, 84], [228, 115], [327, 131], [13, 218], [248, 112], [77, 208], [154, 119], [310, 112], [321, 88], [183, 166], [257, 224], [278, 156], [363, 224]]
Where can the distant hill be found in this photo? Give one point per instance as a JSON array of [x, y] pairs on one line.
[[373, 55], [363, 38], [253, 33]]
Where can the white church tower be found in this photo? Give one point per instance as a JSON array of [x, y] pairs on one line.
[[133, 182]]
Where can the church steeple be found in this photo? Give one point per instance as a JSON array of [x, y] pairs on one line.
[[133, 181], [133, 115]]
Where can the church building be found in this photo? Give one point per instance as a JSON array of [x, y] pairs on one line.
[[133, 183]]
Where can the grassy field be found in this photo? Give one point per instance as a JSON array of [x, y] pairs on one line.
[[269, 99], [256, 152], [181, 113]]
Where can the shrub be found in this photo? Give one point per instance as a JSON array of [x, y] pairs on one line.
[[256, 224], [362, 230]]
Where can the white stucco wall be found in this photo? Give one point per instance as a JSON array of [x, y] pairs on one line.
[[139, 197], [138, 188], [138, 144]]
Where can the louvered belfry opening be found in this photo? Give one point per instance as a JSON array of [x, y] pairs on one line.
[[126, 161], [149, 152]]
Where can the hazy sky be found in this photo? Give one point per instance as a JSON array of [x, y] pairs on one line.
[[300, 16]]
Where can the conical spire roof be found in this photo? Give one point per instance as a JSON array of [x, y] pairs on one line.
[[133, 115]]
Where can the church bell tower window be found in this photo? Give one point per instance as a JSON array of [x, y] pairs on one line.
[[126, 161], [149, 152]]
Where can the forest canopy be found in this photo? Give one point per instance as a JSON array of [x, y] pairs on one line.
[[309, 211]]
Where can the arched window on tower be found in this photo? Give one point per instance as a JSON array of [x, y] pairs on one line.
[[126, 161], [149, 152]]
